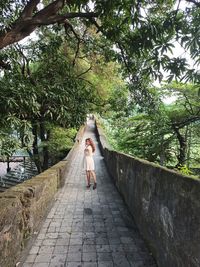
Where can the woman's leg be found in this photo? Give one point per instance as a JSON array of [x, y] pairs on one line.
[[95, 179], [88, 178], [94, 176]]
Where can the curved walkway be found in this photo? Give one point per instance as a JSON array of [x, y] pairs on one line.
[[86, 227]]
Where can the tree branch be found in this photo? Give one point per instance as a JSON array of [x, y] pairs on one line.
[[93, 21], [187, 121], [25, 67], [194, 2], [78, 45], [39, 21], [28, 22], [52, 8], [90, 83], [77, 51], [191, 111], [84, 72], [29, 8], [123, 56]]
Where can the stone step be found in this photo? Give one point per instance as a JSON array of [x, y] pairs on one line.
[[2, 189], [10, 183]]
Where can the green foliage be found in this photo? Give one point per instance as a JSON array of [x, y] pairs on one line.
[[143, 32], [60, 142], [165, 134], [50, 82], [8, 145], [144, 136], [10, 11], [15, 134], [41, 93], [184, 170], [76, 70]]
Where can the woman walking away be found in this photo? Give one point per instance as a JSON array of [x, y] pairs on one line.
[[89, 162]]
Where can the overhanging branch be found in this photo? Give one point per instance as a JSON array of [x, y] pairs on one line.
[[194, 2], [28, 21], [84, 72], [185, 122], [29, 8]]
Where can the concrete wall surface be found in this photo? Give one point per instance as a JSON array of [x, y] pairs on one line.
[[165, 206], [23, 208]]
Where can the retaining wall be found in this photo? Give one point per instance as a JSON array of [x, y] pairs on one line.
[[24, 207], [165, 206]]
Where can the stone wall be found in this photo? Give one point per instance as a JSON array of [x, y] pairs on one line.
[[165, 206], [24, 207]]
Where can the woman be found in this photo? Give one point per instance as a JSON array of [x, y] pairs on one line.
[[89, 162]]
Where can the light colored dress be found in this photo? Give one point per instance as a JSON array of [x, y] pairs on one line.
[[88, 159]]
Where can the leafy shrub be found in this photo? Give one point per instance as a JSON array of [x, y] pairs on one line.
[[184, 170], [60, 142]]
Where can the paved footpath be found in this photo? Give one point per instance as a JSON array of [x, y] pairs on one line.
[[86, 227]]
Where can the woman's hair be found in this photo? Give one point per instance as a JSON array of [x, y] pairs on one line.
[[91, 143]]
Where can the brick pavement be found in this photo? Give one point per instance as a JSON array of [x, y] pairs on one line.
[[86, 227]]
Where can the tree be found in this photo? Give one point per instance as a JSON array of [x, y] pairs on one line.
[[8, 146], [60, 141], [27, 17], [53, 82], [168, 134], [138, 35], [143, 31], [183, 113]]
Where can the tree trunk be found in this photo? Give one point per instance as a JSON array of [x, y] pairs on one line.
[[8, 164], [35, 147], [182, 148], [189, 131], [44, 138], [162, 153], [162, 158]]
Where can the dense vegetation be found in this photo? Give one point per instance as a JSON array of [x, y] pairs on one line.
[[101, 56], [167, 134], [50, 85]]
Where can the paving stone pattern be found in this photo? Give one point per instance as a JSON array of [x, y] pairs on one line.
[[86, 227]]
